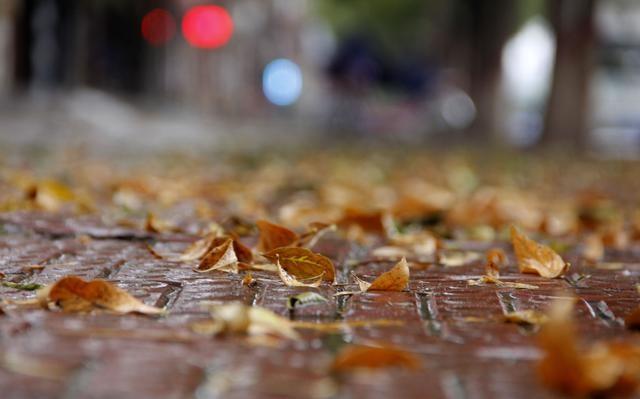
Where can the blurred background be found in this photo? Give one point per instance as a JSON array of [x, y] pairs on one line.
[[247, 73]]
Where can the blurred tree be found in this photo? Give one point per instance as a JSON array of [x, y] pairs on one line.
[[568, 105]]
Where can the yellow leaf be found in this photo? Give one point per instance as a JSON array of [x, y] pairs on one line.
[[222, 257], [72, 294], [536, 258], [273, 236], [292, 281], [355, 357], [249, 281], [302, 264]]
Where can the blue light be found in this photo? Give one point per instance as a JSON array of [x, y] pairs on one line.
[[282, 82]]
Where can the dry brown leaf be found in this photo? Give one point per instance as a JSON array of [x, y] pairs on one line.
[[292, 281], [222, 257], [238, 318], [396, 279], [536, 258], [302, 264], [632, 321], [273, 236], [200, 248], [72, 294], [355, 357], [605, 369]]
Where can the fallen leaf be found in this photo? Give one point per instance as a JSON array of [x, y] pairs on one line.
[[455, 258], [315, 233], [22, 286], [341, 325], [51, 195], [355, 357], [496, 259], [391, 252], [199, 249], [483, 280], [420, 243], [536, 258], [302, 264], [305, 299], [632, 321], [249, 281], [292, 281], [73, 294], [396, 279], [238, 318], [273, 236], [154, 225], [603, 370], [222, 257], [593, 248], [528, 316]]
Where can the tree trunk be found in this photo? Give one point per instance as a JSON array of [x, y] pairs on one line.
[[491, 25], [567, 117]]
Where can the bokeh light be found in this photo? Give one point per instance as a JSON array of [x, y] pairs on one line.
[[207, 27], [158, 27], [282, 82]]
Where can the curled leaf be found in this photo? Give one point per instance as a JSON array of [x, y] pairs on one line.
[[73, 294], [292, 281], [355, 357], [222, 257], [495, 260], [305, 299], [273, 236], [249, 281], [605, 369], [536, 258], [396, 279], [302, 264]]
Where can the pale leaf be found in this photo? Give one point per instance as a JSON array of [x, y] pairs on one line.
[[305, 299], [237, 318]]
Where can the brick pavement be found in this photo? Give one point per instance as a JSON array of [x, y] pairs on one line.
[[451, 326]]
